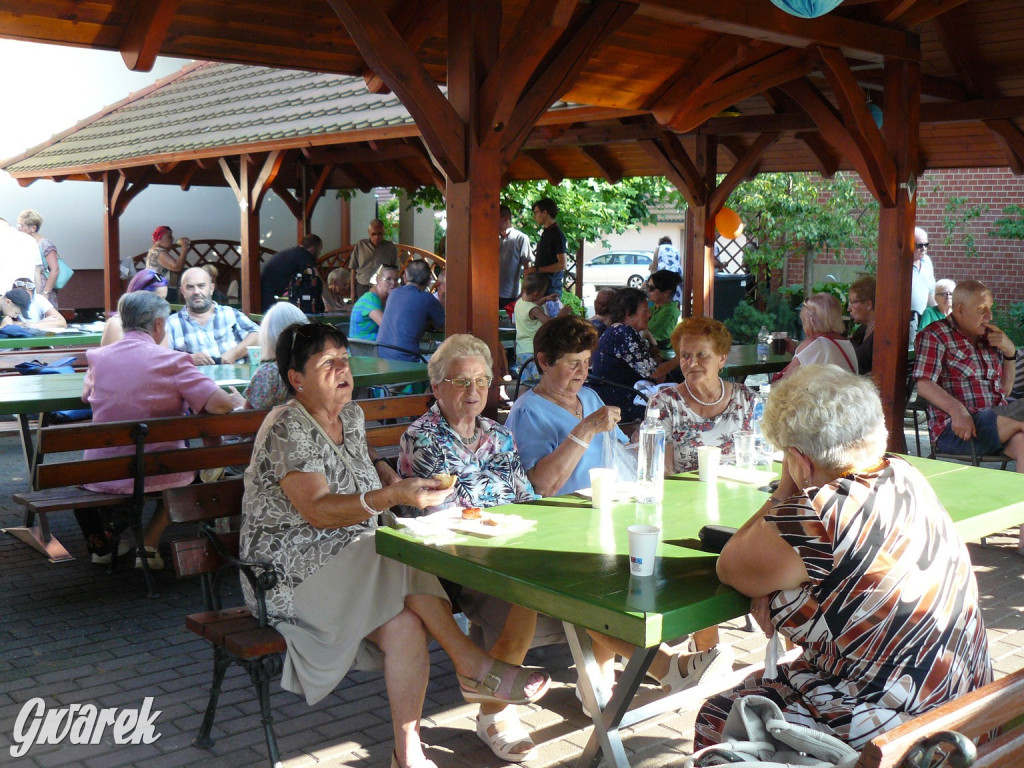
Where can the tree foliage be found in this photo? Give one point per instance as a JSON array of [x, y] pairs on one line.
[[802, 214], [1011, 226], [589, 209]]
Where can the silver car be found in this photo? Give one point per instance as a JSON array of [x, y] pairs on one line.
[[616, 269]]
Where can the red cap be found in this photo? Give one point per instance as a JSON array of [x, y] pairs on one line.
[[160, 232]]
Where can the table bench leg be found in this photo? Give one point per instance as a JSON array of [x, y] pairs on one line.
[[37, 539], [608, 716]]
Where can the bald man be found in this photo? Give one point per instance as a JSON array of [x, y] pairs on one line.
[[209, 332]]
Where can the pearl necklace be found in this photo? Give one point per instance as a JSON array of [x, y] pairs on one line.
[[701, 402]]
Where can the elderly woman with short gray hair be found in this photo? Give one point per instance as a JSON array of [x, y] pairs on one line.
[[139, 378], [822, 319], [854, 559], [453, 438]]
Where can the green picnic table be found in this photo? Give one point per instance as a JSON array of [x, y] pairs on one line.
[[573, 565], [53, 339], [743, 362]]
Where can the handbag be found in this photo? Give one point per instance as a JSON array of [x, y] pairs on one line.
[[65, 273], [756, 735]]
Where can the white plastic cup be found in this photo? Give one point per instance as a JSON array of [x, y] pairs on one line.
[[746, 448], [708, 458], [643, 548], [254, 356], [602, 488]]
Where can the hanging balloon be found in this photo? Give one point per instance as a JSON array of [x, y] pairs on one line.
[[876, 113], [728, 224], [807, 9]]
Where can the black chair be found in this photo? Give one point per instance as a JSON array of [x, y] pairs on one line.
[[370, 348]]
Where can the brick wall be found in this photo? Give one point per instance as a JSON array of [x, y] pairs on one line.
[[999, 263]]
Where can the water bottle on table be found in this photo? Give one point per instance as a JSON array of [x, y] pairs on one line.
[[764, 344], [650, 466]]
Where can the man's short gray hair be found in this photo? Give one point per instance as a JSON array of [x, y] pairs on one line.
[[139, 310], [966, 290], [831, 416], [452, 348], [417, 272]]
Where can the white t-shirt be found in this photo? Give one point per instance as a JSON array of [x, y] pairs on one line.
[[825, 350], [922, 284], [19, 255], [38, 308]]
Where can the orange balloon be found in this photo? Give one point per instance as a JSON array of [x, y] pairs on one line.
[[728, 224]]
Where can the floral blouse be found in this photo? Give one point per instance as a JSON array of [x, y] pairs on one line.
[[291, 440], [493, 474], [267, 388], [624, 357], [685, 430]]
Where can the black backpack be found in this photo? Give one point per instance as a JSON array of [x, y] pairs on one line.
[[307, 291]]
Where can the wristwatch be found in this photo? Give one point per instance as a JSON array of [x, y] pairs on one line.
[[1009, 357]]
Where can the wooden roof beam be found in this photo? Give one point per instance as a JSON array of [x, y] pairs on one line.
[[592, 134], [743, 168], [556, 74], [670, 154], [145, 32], [1011, 140], [785, 121], [781, 67], [763, 21], [542, 163], [931, 85], [859, 121], [824, 156], [387, 54], [423, 153], [911, 13], [605, 162], [416, 21]]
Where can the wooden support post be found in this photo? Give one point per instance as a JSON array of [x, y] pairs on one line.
[[700, 226], [111, 243]]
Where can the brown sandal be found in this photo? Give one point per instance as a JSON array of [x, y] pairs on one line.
[[505, 679]]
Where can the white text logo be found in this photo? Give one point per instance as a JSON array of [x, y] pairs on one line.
[[82, 724]]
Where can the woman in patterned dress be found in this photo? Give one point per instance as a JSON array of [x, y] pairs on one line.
[[453, 438], [313, 495], [626, 353], [854, 559]]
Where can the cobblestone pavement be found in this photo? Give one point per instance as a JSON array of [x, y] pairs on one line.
[[73, 634]]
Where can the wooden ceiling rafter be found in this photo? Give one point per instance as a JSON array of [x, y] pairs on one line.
[[417, 149], [825, 157], [763, 21], [388, 54], [725, 54], [830, 126], [145, 32], [416, 21], [776, 69], [185, 182], [744, 167], [123, 190], [543, 163], [627, 131], [859, 121], [558, 71], [606, 164], [1010, 138], [668, 152], [932, 86], [917, 12]]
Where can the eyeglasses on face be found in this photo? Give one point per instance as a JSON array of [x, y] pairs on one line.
[[480, 382], [920, 246]]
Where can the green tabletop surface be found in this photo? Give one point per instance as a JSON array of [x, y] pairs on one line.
[[33, 394], [743, 362], [573, 565], [68, 339]]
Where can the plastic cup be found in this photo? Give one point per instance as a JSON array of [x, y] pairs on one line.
[[602, 487], [643, 547], [254, 356], [746, 448], [708, 458]]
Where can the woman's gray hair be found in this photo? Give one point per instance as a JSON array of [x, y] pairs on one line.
[[831, 416], [945, 283], [822, 313], [452, 348], [278, 317], [139, 310]]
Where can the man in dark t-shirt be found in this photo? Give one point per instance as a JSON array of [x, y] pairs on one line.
[[549, 258], [277, 274]]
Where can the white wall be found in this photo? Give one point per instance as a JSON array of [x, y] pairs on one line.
[[633, 240]]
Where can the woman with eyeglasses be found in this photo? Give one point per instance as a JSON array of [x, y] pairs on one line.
[[661, 291], [861, 303], [146, 280], [943, 304], [453, 438], [314, 492]]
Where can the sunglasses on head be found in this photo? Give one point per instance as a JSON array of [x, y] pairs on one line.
[[28, 285]]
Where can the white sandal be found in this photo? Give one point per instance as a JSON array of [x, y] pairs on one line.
[[505, 738], [700, 666]]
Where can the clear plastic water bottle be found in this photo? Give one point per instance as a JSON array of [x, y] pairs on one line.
[[650, 466], [764, 344], [763, 451]]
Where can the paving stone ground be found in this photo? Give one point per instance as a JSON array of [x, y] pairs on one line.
[[71, 633]]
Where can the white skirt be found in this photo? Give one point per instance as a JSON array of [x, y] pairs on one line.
[[337, 607]]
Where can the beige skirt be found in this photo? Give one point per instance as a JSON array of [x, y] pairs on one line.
[[337, 607]]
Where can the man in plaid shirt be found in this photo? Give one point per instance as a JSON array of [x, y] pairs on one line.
[[964, 367], [206, 330]]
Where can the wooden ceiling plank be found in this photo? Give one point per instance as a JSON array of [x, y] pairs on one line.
[[825, 158], [145, 32], [389, 56], [536, 170], [831, 127], [763, 21], [963, 53], [416, 20], [1011, 140], [542, 161], [537, 32], [932, 86], [923, 10], [554, 79], [856, 116], [742, 169], [1008, 107], [779, 68], [606, 163], [591, 134], [723, 55]]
